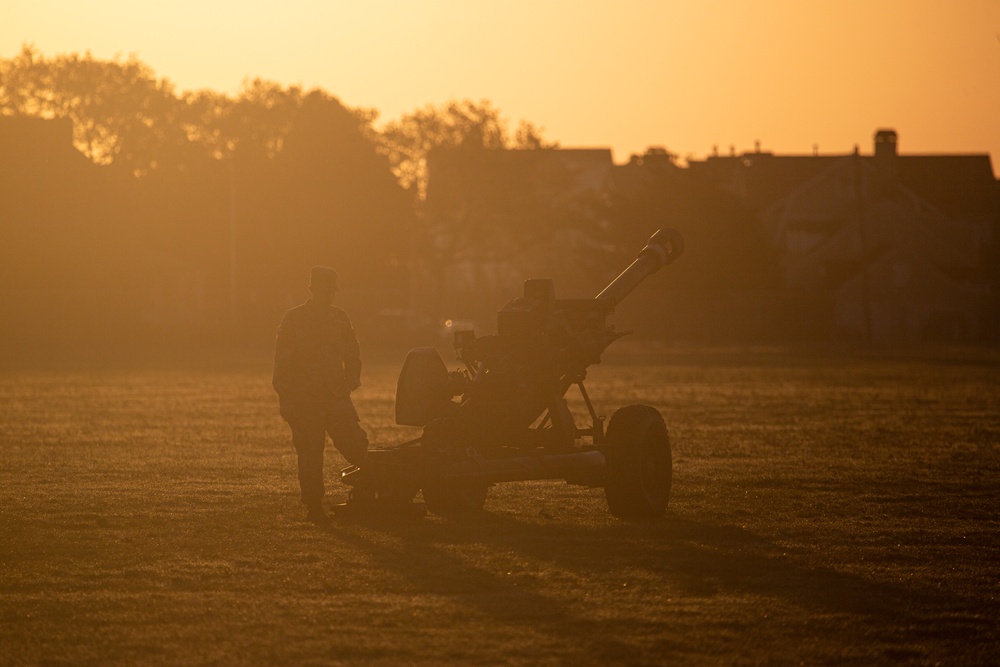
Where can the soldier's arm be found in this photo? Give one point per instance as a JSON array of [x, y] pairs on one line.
[[352, 359], [284, 355]]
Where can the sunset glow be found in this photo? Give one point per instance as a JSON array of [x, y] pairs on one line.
[[524, 332], [692, 77]]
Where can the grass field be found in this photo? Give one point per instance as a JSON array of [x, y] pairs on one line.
[[827, 509]]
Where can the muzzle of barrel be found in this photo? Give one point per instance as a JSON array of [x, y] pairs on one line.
[[663, 248]]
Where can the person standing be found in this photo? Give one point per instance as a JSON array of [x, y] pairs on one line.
[[317, 364]]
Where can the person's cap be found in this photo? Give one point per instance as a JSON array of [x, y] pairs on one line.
[[322, 277]]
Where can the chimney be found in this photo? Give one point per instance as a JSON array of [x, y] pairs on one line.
[[886, 156]]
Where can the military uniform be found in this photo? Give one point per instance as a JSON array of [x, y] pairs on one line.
[[317, 365]]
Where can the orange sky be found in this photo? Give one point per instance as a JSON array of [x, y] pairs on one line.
[[627, 74]]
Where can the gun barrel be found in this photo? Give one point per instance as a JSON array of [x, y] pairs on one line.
[[663, 247]]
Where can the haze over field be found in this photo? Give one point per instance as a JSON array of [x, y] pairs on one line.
[[814, 385], [688, 76]]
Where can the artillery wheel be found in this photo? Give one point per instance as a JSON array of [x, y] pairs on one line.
[[455, 497], [639, 463]]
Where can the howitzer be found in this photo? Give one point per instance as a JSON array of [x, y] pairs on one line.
[[504, 416]]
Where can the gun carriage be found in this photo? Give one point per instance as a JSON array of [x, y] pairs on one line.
[[504, 416]]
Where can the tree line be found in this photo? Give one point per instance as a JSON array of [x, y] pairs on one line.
[[230, 195], [126, 116], [221, 201]]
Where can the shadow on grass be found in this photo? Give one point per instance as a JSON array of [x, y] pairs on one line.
[[432, 559], [678, 557]]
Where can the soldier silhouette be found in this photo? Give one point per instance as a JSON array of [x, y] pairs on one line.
[[317, 364]]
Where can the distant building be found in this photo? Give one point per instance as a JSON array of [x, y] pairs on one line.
[[218, 249], [108, 255], [884, 248], [898, 245]]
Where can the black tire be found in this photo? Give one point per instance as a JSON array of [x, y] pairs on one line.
[[639, 464], [454, 498]]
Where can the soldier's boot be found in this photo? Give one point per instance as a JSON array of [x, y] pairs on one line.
[[360, 500]]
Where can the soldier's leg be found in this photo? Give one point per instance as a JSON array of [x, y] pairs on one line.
[[309, 439], [344, 427]]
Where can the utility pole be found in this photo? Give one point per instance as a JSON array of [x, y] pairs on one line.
[[234, 310], [862, 237]]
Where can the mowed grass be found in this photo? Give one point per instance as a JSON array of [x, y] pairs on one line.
[[826, 509]]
